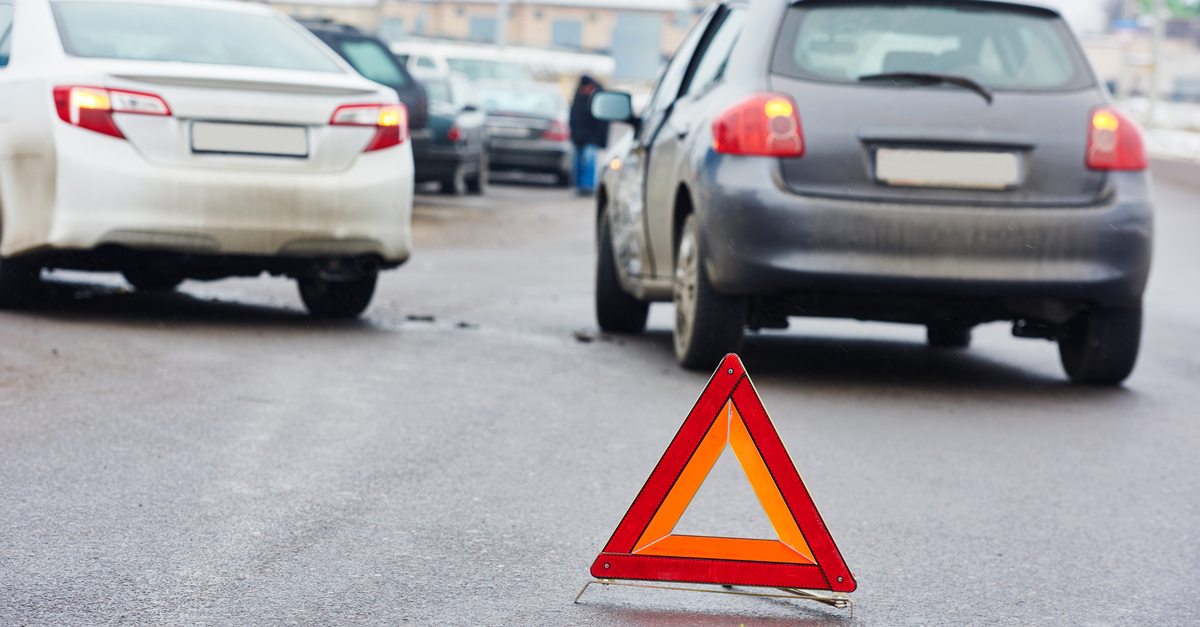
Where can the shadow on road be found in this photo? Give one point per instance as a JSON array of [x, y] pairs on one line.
[[838, 365], [100, 302]]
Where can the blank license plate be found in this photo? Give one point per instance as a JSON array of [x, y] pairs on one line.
[[946, 168], [250, 139], [508, 131]]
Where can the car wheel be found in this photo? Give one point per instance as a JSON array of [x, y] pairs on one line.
[[947, 335], [149, 280], [707, 325], [616, 310], [19, 282], [478, 182], [337, 299], [456, 183], [1099, 346]]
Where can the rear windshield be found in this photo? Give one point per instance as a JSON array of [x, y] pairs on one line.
[[482, 69], [374, 62], [1004, 48], [438, 91], [524, 102], [148, 32]]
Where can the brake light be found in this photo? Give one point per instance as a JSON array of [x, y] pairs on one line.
[[764, 124], [390, 122], [557, 132], [454, 134], [1114, 142], [92, 107]]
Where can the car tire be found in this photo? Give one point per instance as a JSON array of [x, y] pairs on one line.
[[616, 310], [456, 183], [708, 325], [20, 281], [947, 335], [337, 299], [477, 183], [1100, 346]]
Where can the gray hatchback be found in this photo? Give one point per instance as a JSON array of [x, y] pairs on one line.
[[937, 163]]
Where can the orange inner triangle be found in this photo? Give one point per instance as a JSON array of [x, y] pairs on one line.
[[729, 429]]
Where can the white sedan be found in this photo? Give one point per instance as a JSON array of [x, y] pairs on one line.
[[194, 139]]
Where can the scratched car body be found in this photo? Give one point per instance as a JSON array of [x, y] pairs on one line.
[[937, 163], [173, 140]]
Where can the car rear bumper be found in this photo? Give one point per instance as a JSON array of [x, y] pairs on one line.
[[435, 162], [762, 240], [533, 155], [125, 200]]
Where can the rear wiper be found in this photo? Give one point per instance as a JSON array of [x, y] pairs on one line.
[[928, 78]]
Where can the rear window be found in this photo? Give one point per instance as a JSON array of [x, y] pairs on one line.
[[1004, 48], [524, 102], [482, 69], [438, 91], [374, 62], [148, 32]]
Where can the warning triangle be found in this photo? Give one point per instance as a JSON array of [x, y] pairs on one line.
[[803, 555]]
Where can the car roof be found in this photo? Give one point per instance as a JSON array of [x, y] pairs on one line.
[[219, 5], [998, 3]]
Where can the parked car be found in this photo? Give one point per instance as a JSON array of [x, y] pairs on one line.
[[527, 128], [196, 140], [476, 62], [371, 57], [942, 164], [457, 155]]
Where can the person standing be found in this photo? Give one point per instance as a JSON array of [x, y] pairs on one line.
[[588, 134]]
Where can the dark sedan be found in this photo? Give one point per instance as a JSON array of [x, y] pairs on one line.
[[958, 163], [527, 128], [371, 58], [457, 155]]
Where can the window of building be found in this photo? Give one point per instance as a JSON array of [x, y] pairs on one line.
[[566, 34], [392, 29], [483, 29]]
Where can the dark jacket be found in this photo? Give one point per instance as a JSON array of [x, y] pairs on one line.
[[585, 128]]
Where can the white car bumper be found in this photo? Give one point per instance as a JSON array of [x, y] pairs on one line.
[[122, 198]]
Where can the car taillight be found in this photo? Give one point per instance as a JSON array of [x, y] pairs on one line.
[[557, 132], [1114, 142], [764, 124], [454, 134], [92, 107], [390, 122]]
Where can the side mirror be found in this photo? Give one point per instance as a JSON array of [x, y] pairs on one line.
[[612, 106]]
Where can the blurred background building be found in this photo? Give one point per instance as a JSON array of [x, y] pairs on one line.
[[637, 34]]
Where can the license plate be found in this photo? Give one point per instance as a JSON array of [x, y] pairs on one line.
[[250, 139], [946, 168], [508, 131]]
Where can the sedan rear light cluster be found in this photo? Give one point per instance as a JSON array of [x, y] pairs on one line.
[[92, 107], [390, 122], [1114, 142], [557, 132], [764, 124]]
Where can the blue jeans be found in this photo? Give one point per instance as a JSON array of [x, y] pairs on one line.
[[585, 167]]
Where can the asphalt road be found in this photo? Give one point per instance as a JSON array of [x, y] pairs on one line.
[[460, 455]]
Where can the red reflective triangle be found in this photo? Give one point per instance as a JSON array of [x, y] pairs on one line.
[[728, 412]]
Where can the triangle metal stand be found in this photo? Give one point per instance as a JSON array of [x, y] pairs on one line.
[[840, 600]]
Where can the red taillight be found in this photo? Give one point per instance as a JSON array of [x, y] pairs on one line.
[[1114, 142], [454, 134], [557, 132], [92, 107], [390, 122], [764, 124]]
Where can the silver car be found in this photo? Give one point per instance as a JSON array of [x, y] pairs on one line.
[[929, 162]]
